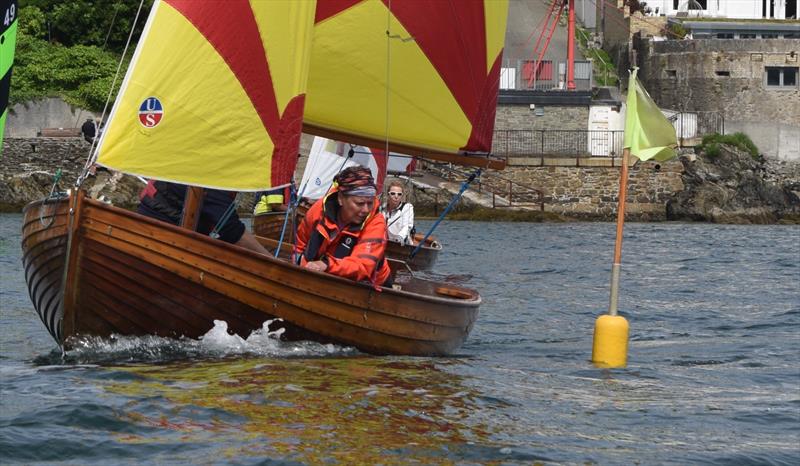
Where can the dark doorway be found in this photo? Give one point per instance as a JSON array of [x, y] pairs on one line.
[[791, 9]]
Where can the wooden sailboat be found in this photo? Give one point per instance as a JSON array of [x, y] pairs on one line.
[[132, 275], [94, 269]]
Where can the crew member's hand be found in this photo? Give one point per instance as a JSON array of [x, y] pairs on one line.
[[317, 266]]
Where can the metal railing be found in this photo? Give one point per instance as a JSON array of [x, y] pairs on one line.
[[555, 143], [545, 75], [504, 191], [692, 125], [509, 143]]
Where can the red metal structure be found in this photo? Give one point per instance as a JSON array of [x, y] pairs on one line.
[[549, 28]]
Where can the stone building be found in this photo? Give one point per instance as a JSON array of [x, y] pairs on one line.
[[737, 58], [755, 83]]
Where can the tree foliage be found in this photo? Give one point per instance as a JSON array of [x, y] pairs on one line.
[[71, 49], [102, 23], [81, 75]]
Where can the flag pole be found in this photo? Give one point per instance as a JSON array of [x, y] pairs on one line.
[[610, 347], [615, 267], [648, 136]]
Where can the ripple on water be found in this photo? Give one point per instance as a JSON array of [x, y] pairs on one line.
[[712, 375]]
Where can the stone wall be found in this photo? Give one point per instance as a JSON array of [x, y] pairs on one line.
[[616, 34], [515, 116], [591, 192], [21, 155], [26, 120], [29, 165], [588, 192]]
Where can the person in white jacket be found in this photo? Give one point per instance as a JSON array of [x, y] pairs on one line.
[[399, 214]]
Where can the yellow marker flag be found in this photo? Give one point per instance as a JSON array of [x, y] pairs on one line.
[[648, 133]]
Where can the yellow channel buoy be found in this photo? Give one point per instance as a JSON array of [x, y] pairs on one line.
[[610, 348]]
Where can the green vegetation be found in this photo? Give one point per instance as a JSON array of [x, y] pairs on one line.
[[102, 23], [605, 73], [711, 143], [71, 49], [677, 30], [81, 75]]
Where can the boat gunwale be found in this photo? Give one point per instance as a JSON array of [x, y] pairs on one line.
[[474, 302], [465, 312]]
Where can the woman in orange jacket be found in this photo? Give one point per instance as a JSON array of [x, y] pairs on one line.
[[344, 234]]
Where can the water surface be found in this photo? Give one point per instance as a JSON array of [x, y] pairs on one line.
[[713, 374]]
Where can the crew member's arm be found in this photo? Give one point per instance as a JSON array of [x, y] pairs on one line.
[[406, 222], [215, 205], [248, 241], [275, 201]]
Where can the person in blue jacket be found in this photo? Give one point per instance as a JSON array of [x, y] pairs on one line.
[[164, 201]]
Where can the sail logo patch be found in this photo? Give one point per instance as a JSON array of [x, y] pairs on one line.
[[150, 112]]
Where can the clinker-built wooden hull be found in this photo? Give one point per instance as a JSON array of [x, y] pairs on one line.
[[44, 246], [102, 270]]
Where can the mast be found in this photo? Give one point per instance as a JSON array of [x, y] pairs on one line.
[[571, 47], [191, 207]]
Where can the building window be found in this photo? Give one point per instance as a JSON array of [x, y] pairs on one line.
[[781, 77], [769, 36], [747, 36], [724, 35], [671, 73], [723, 73]]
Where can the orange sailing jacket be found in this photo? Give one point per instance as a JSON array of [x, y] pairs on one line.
[[356, 252]]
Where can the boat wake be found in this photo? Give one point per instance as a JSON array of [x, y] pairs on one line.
[[217, 343]]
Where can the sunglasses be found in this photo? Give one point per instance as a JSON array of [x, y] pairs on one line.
[[395, 194]]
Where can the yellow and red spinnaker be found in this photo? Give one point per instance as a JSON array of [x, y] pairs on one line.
[[214, 95], [422, 75]]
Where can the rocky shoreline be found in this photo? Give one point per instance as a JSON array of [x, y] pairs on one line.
[[732, 187]]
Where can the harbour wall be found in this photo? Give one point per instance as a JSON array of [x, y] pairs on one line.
[[28, 119], [582, 188], [586, 192], [591, 192]]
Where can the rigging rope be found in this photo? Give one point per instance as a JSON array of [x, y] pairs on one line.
[[388, 72], [53, 195], [222, 220], [464, 187], [92, 150], [294, 202]]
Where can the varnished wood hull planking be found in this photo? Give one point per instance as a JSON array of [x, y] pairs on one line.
[[271, 225], [44, 252], [133, 275]]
